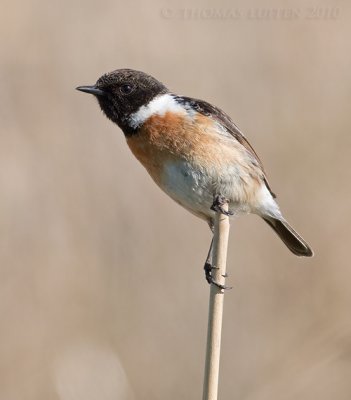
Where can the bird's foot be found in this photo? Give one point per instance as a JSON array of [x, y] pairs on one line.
[[218, 203], [209, 278]]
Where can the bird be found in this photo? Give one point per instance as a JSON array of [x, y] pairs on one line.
[[193, 151]]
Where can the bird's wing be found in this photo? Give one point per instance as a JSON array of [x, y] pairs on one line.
[[226, 122]]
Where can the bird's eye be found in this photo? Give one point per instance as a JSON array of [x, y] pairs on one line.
[[126, 88]]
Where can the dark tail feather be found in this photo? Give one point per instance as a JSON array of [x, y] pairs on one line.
[[292, 239]]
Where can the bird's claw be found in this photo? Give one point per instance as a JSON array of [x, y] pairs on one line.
[[218, 203], [209, 278]]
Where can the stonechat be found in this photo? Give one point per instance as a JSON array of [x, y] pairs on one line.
[[193, 151]]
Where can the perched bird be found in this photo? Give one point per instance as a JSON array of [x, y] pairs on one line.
[[193, 151]]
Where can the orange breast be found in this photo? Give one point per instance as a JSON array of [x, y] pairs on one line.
[[198, 140], [159, 140]]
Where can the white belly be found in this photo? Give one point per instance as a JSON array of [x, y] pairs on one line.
[[194, 188], [189, 187]]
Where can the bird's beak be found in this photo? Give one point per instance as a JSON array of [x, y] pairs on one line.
[[92, 90]]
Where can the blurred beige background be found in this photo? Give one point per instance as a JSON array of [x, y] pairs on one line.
[[101, 282]]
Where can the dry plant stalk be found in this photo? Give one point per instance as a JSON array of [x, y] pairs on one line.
[[214, 330]]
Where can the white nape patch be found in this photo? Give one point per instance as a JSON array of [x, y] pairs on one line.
[[157, 106]]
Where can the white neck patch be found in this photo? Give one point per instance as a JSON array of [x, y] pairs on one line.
[[157, 106]]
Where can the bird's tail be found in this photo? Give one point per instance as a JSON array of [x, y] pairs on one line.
[[289, 236]]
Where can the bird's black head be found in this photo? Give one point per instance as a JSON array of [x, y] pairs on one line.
[[122, 92]]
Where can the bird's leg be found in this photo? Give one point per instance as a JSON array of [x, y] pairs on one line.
[[208, 264], [217, 205], [208, 267]]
